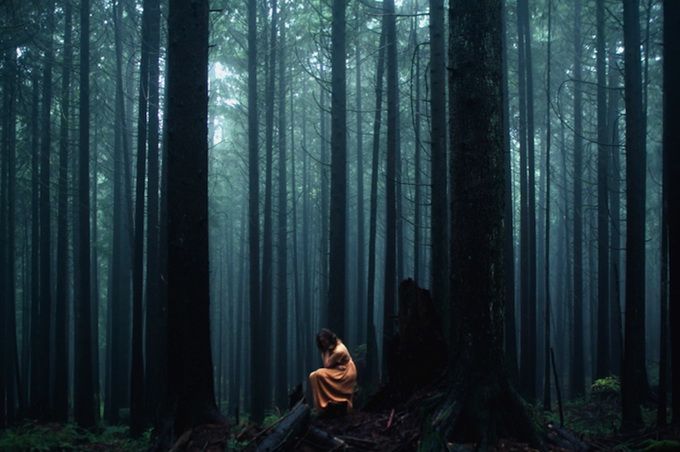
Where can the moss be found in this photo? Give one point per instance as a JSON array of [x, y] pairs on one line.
[[606, 388]]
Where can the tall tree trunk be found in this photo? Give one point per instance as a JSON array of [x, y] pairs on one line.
[[616, 328], [361, 214], [137, 362], [33, 343], [190, 369], [634, 377], [548, 170], [671, 142], [481, 406], [155, 305], [338, 210], [84, 406], [117, 388], [282, 356], [603, 366], [510, 342], [528, 355], [256, 360], [10, 390], [61, 350], [372, 372], [40, 401], [267, 291], [577, 374], [439, 213], [389, 327]]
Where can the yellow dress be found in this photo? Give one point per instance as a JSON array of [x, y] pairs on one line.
[[334, 383]]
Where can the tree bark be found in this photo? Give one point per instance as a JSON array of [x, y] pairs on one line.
[[481, 405], [84, 406], [603, 367], [337, 264], [438, 192], [671, 141], [634, 377], [190, 369], [390, 288], [577, 372]]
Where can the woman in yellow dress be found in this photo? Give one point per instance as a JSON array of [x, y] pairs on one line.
[[333, 384]]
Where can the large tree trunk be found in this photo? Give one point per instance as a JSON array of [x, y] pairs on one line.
[[190, 370], [634, 376], [338, 209], [481, 405]]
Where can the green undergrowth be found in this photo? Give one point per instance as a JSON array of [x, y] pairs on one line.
[[33, 436], [598, 415]]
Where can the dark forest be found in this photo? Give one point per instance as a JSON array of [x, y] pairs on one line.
[[478, 197]]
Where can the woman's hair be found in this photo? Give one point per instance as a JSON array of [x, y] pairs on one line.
[[328, 335]]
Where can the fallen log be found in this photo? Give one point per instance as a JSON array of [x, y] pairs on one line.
[[563, 438], [284, 433], [322, 440]]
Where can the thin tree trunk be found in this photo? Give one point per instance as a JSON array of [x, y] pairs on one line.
[[577, 376], [372, 372], [267, 293], [41, 400], [155, 345], [389, 327], [603, 367], [256, 360], [84, 407], [282, 356], [117, 388], [61, 351], [510, 329], [137, 363], [671, 141], [548, 170]]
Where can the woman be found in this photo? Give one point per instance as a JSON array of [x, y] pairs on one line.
[[333, 384]]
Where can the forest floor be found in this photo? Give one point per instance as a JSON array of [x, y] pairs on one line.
[[383, 425], [395, 426]]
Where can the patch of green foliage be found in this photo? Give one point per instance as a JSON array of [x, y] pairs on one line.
[[606, 388], [590, 417], [33, 436], [651, 445], [271, 418]]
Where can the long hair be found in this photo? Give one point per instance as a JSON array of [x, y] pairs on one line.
[[327, 334]]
